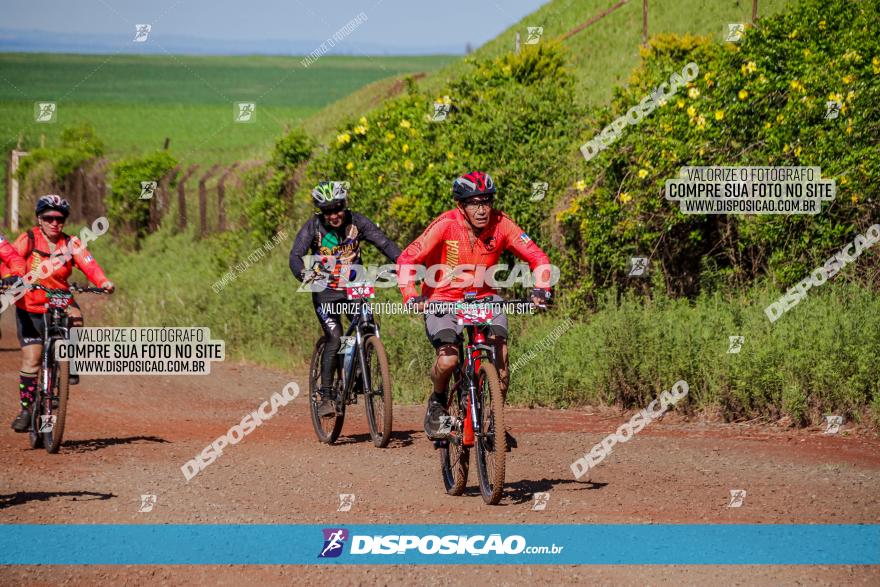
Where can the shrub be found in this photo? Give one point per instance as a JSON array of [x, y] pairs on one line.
[[124, 205], [759, 102]]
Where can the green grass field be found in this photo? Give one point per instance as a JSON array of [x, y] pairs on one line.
[[134, 102]]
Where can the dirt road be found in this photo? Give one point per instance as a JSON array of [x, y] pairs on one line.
[[128, 436]]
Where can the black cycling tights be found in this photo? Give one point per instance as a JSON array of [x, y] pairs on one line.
[[332, 325]]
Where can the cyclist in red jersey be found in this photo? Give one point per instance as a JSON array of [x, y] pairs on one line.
[[467, 240], [47, 240]]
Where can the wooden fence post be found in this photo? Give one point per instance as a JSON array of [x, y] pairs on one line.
[[221, 195], [754, 11], [181, 196], [203, 199]]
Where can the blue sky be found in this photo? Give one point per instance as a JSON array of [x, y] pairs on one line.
[[391, 26]]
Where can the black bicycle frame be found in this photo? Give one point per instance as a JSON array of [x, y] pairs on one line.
[[361, 325], [56, 329]]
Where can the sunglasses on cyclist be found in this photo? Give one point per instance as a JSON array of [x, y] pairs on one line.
[[479, 203], [53, 219], [333, 210]]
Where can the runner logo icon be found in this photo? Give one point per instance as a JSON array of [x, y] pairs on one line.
[[334, 540]]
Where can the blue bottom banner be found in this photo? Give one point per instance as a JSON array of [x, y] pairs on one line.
[[484, 544]]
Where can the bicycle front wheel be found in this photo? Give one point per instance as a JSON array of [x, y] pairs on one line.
[[56, 403], [377, 399], [491, 442], [326, 429]]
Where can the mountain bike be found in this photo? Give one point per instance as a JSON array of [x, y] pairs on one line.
[[49, 409], [476, 405], [363, 370]]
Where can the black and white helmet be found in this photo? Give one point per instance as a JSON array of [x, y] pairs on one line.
[[328, 194]]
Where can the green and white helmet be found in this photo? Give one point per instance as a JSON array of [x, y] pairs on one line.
[[328, 194]]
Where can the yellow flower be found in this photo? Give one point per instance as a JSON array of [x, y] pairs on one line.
[[793, 34], [430, 166], [693, 93], [849, 128], [701, 122], [767, 125], [625, 197], [847, 79], [450, 155], [349, 165], [446, 100], [719, 115], [405, 123], [380, 179], [692, 111], [643, 173], [343, 139], [506, 70], [363, 120], [786, 148], [408, 165], [797, 151], [836, 96], [780, 118], [743, 94], [405, 148], [796, 85], [821, 25], [680, 103], [750, 67], [360, 130], [389, 136], [854, 199], [807, 53], [875, 63], [844, 180], [580, 185]]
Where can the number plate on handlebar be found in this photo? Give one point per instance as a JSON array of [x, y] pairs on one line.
[[474, 314], [359, 290], [59, 301]]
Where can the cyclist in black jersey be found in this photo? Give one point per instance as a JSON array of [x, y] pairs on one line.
[[334, 232]]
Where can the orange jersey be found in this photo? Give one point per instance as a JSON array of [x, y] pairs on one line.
[[449, 241], [35, 300]]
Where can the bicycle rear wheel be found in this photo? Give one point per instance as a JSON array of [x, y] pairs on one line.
[[326, 429], [491, 443], [454, 456], [56, 403], [378, 400]]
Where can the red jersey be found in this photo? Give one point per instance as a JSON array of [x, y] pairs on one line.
[[449, 241], [35, 300], [11, 263]]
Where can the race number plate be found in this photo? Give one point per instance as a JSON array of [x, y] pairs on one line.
[[359, 290], [473, 314], [59, 302]]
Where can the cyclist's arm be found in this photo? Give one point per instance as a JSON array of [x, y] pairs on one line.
[[13, 263], [517, 241], [373, 234], [300, 249], [83, 259], [415, 253]]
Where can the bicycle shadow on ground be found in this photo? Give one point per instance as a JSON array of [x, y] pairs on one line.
[[399, 438], [94, 444], [524, 491], [23, 497]]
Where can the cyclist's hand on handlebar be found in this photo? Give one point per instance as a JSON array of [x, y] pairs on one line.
[[417, 303], [108, 285], [541, 297], [11, 281]]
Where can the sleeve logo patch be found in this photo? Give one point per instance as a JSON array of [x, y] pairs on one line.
[[524, 238], [89, 259]]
